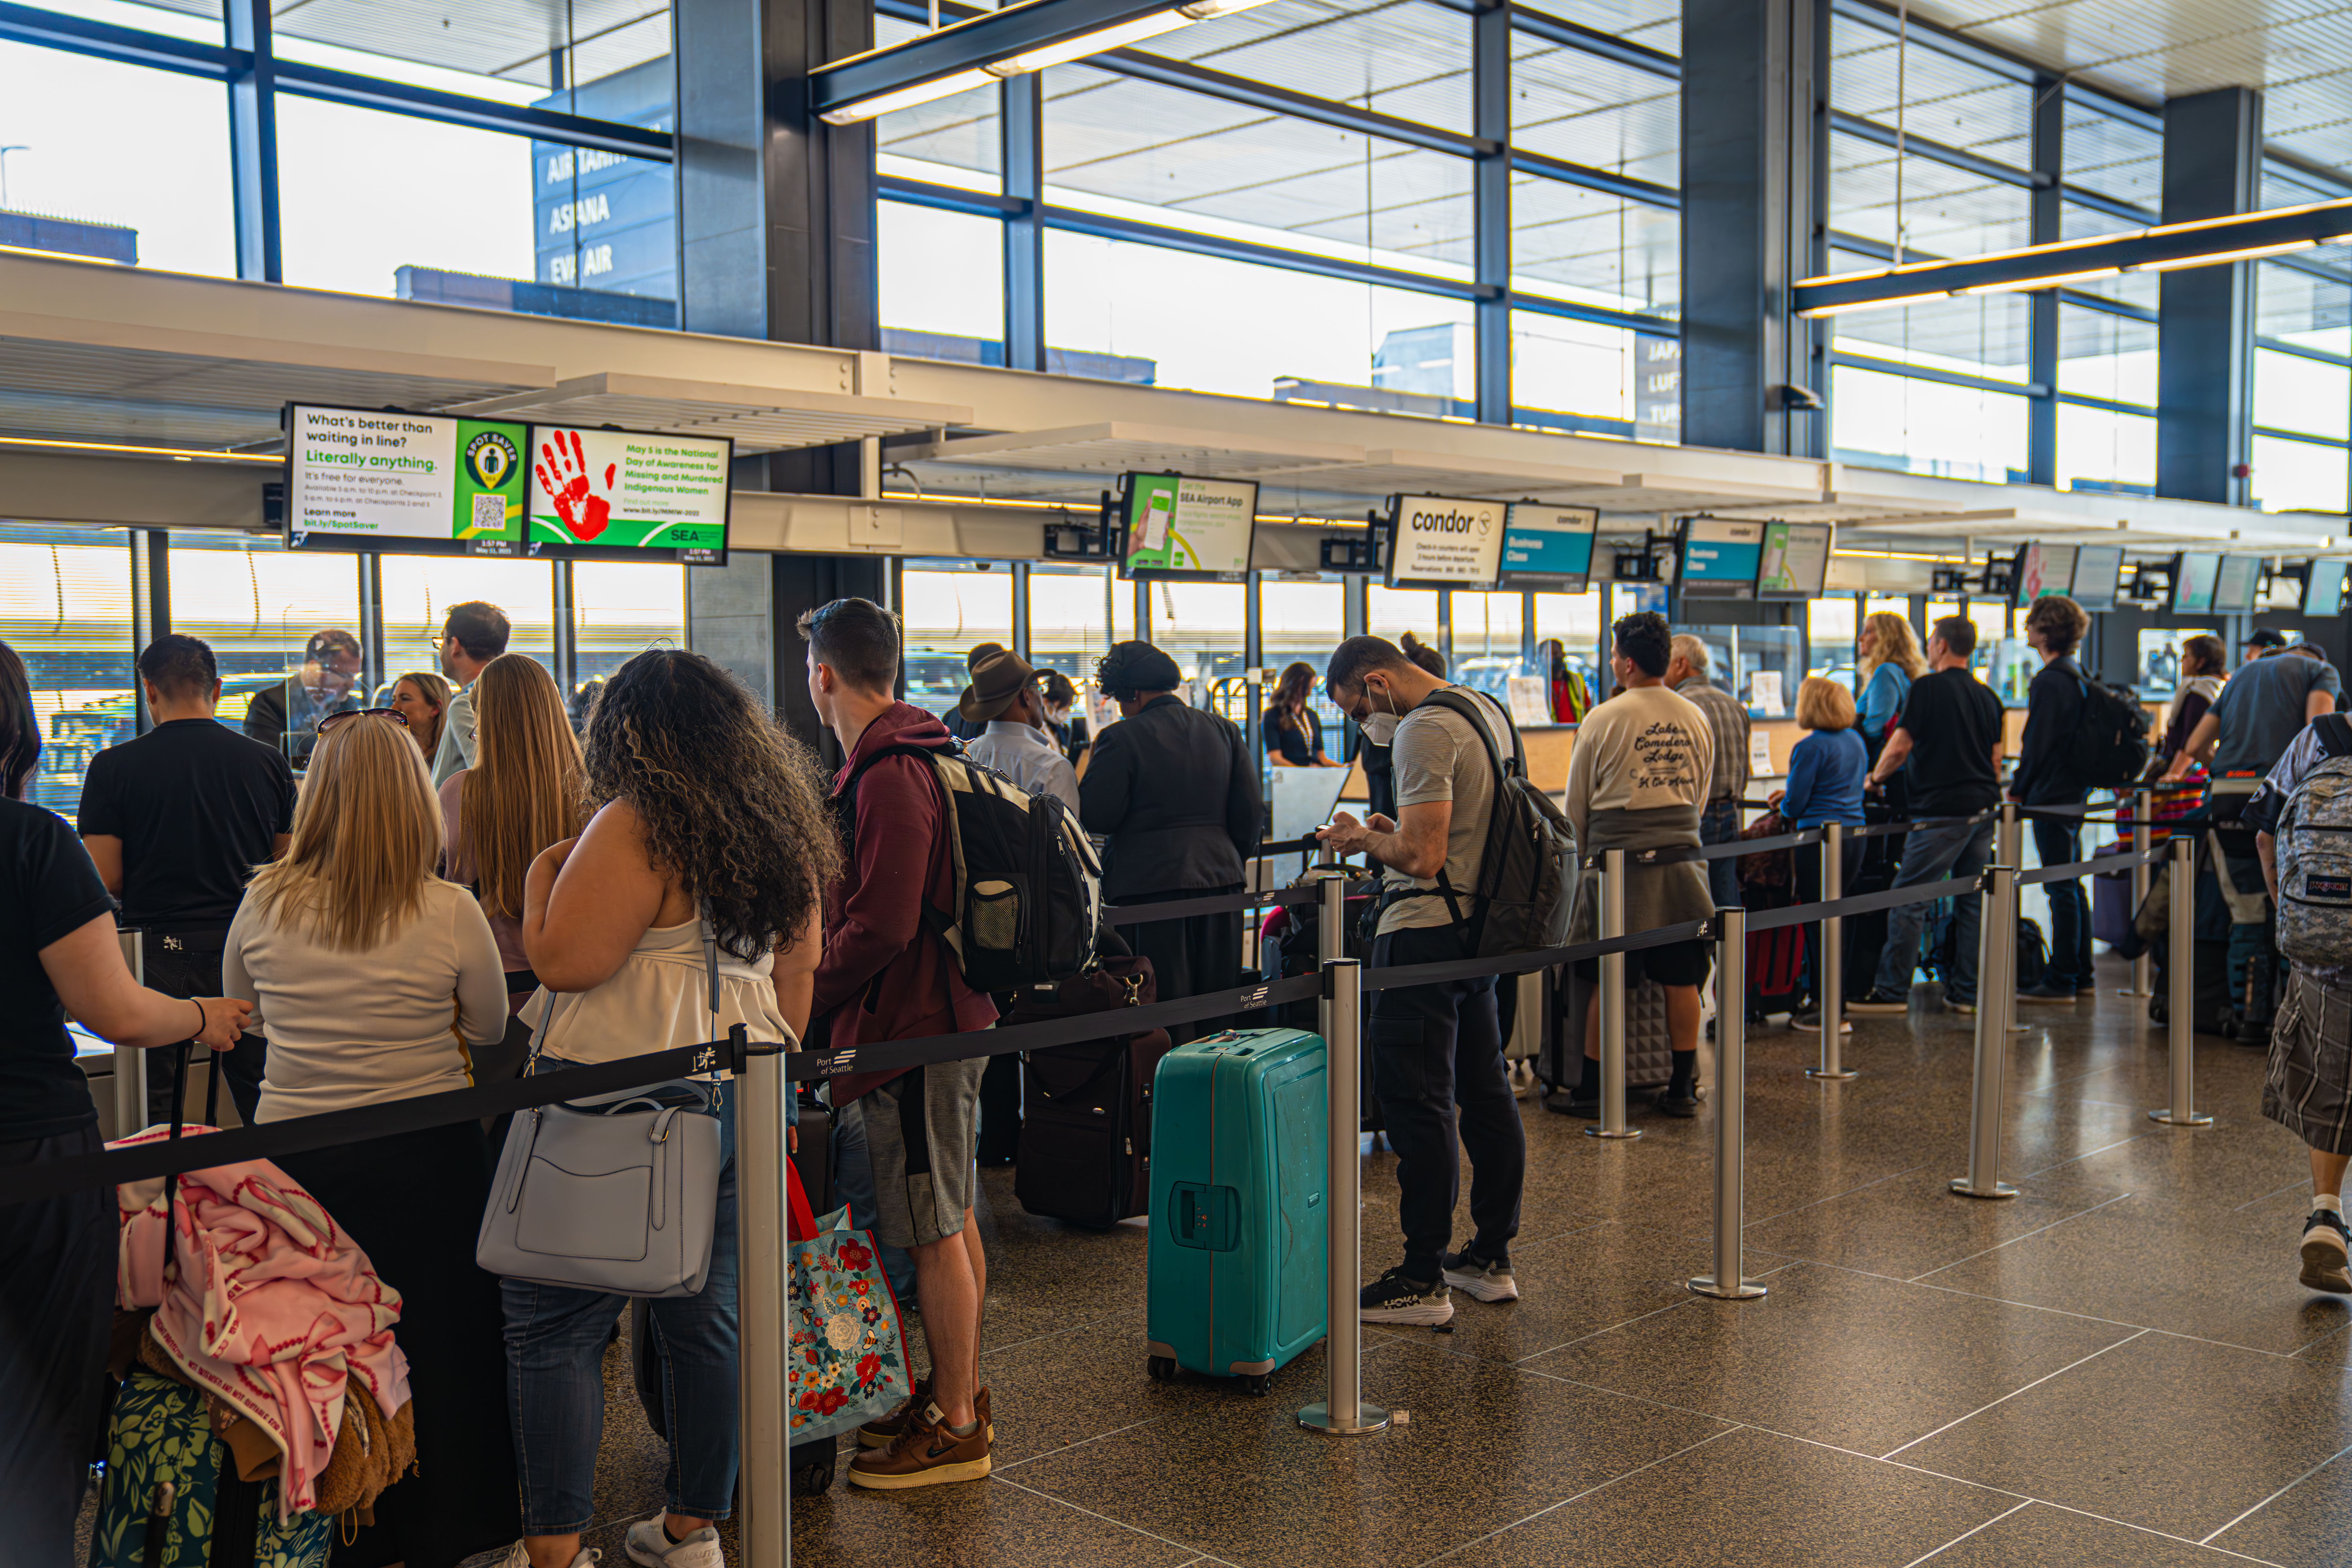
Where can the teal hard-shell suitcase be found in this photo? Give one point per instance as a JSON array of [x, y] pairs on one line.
[[1238, 1205]]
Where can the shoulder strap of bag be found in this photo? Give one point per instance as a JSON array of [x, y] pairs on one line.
[[1466, 705], [2334, 733]]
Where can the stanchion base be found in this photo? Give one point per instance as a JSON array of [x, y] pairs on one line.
[[1838, 1076], [1746, 1291], [1961, 1185], [2128, 991], [1370, 1417], [2194, 1119], [1628, 1135]]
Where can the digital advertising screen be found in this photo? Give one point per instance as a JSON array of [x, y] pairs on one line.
[[1795, 561], [1719, 558], [2235, 584], [2193, 573], [1188, 529], [1442, 541], [2098, 573], [1548, 546], [624, 495], [2040, 569], [2323, 590], [363, 478]]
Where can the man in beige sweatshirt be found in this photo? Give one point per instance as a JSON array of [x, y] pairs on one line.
[[1638, 781]]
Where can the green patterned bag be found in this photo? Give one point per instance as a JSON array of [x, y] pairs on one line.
[[160, 1435]]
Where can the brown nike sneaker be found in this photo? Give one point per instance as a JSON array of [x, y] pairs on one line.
[[883, 1430], [926, 1454]]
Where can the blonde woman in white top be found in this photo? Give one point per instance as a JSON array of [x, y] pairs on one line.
[[374, 981], [701, 804]]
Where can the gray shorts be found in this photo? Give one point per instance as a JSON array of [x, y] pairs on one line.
[[922, 1131]]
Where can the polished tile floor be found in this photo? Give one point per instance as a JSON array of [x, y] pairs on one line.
[[2117, 1366]]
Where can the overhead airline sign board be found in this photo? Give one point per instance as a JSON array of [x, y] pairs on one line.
[[1440, 541], [433, 484], [1548, 546], [1180, 527]]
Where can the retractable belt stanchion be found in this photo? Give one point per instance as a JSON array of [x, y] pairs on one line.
[[2143, 983], [1343, 1412], [2009, 849], [1612, 1003], [1728, 1282], [766, 1526], [129, 1066], [1995, 991], [1831, 981], [2180, 1007]]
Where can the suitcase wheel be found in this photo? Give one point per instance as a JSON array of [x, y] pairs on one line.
[[1257, 1384], [813, 1478], [1162, 1368]]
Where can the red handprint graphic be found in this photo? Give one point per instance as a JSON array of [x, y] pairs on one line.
[[563, 475]]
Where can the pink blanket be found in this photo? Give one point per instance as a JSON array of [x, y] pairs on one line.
[[272, 1307]]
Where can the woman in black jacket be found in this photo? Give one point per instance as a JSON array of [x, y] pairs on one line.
[[2045, 776], [1175, 791]]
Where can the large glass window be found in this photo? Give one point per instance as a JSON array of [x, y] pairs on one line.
[[1580, 245], [1302, 623], [1943, 98], [2099, 449], [608, 61], [2106, 357], [259, 605], [943, 284], [1199, 625], [1213, 325], [954, 140], [2299, 476], [1484, 632], [619, 609], [1946, 211], [948, 607], [419, 589], [1396, 611], [2113, 156], [1832, 622], [1572, 620], [134, 161], [65, 607], [1926, 426], [1983, 335], [1581, 107], [1411, 60]]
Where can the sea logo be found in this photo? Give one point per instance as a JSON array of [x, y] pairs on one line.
[[491, 459]]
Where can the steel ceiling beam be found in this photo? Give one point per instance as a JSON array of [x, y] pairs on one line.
[[968, 44]]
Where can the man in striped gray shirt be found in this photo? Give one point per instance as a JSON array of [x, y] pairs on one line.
[[1719, 823]]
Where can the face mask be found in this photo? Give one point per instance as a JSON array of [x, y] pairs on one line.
[[1380, 729]]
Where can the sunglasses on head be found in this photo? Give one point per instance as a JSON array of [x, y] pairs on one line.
[[332, 719]]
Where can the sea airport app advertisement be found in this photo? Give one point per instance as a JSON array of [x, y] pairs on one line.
[[1178, 524], [625, 490], [405, 476]]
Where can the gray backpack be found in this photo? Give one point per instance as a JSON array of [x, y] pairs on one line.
[[2314, 856], [1526, 871]]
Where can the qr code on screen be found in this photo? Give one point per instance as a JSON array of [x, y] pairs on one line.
[[489, 513]]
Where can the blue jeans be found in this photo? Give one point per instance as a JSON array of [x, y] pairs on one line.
[[1934, 848], [555, 1381], [1719, 823], [2058, 843], [853, 1172]]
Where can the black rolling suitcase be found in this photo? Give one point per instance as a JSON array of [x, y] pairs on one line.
[[810, 1464], [1086, 1113]]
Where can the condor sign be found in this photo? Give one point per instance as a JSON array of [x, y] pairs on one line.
[[1439, 542]]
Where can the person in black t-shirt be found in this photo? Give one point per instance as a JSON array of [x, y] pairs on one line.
[[1950, 730], [175, 822], [58, 951]]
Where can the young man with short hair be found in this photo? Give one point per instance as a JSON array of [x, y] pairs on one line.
[[175, 822], [1950, 724], [1638, 780], [475, 633], [887, 975], [1437, 1049]]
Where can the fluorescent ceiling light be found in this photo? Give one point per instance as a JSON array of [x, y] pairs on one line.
[[907, 97], [2217, 258], [2023, 284], [1094, 43], [1203, 10], [1876, 304]]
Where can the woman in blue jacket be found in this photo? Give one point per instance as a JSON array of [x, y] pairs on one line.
[[1826, 770]]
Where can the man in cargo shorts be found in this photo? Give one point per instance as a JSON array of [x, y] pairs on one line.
[[885, 975], [1436, 1050]]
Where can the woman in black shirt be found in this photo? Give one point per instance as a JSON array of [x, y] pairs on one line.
[[1293, 730], [58, 951]]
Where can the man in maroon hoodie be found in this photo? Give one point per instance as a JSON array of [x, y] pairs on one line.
[[887, 975]]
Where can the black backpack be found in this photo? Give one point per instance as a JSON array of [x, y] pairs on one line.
[[1526, 872], [2108, 748], [1028, 888]]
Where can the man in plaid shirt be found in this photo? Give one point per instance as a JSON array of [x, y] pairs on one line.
[[1727, 718]]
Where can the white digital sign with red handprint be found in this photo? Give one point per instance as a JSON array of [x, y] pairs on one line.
[[624, 491]]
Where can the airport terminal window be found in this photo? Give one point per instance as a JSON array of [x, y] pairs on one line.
[[2106, 357], [1948, 100], [1210, 324], [1926, 427], [1484, 631], [942, 277], [2115, 156], [1396, 611], [948, 607], [2299, 476], [258, 605], [1582, 107], [1572, 620], [1603, 378], [2099, 449], [1410, 61], [419, 589], [1301, 621], [602, 62], [1831, 624], [1573, 243], [86, 140], [2309, 397], [65, 607], [956, 141], [1071, 610], [619, 609], [1199, 625]]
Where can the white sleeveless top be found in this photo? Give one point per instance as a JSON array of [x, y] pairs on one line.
[[660, 999]]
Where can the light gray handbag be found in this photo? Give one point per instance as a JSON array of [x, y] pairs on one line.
[[615, 1192]]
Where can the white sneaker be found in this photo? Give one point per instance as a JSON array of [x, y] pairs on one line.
[[649, 1545], [519, 1556]]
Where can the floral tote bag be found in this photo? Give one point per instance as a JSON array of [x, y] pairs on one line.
[[848, 1361]]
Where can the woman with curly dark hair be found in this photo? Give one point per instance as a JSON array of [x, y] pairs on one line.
[[704, 811]]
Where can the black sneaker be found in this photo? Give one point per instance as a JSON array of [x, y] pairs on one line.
[[1882, 1000], [1673, 1104], [1394, 1298], [2323, 1249], [2045, 992], [1576, 1105], [1486, 1278]]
